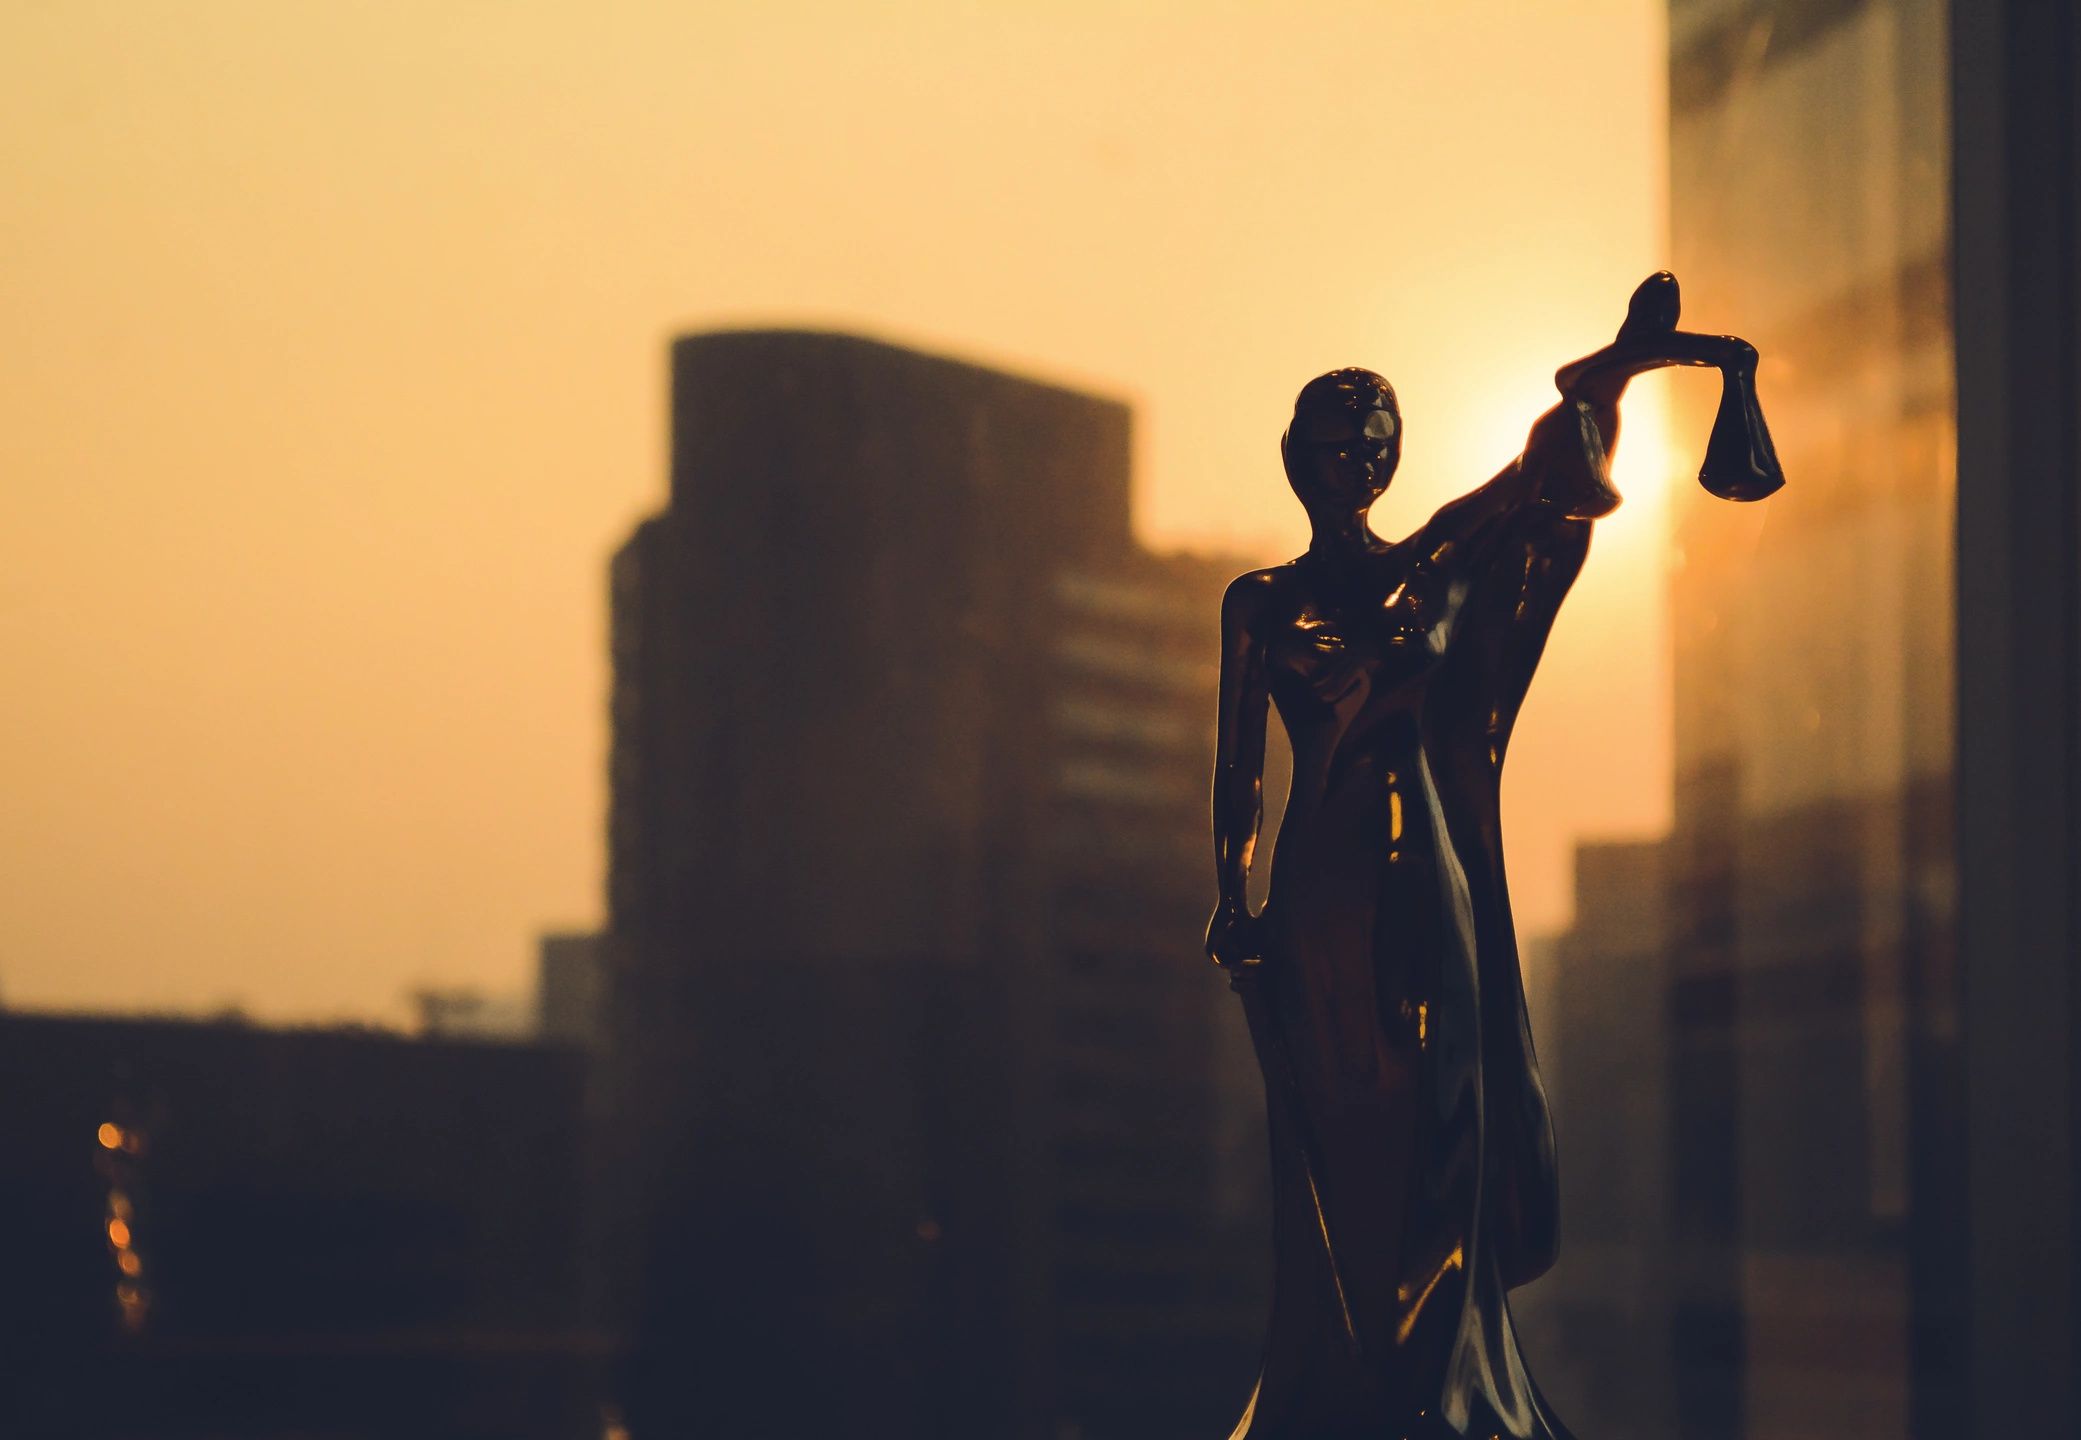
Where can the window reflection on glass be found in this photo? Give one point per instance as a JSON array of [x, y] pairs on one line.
[[1751, 1027]]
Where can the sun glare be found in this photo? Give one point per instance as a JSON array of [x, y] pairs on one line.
[[1645, 465]]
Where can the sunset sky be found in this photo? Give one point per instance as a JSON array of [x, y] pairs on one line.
[[335, 368]]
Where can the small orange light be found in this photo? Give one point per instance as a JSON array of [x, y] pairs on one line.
[[119, 1234], [134, 1303], [128, 1262], [110, 1136]]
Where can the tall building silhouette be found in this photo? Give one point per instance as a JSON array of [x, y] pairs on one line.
[[1812, 862], [925, 1111], [1804, 1023]]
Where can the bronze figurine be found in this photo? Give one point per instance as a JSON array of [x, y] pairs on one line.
[[1412, 1151]]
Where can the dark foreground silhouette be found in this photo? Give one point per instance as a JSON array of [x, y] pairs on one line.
[[1412, 1151]]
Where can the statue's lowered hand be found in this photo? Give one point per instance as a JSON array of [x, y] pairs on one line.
[[1235, 938]]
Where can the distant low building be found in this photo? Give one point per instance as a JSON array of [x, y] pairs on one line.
[[468, 1014], [571, 989], [246, 1233], [1597, 1327]]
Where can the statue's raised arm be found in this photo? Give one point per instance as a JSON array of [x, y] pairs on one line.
[[1740, 462], [1565, 467]]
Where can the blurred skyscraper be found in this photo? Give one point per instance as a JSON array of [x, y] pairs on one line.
[[1796, 1037], [926, 1115]]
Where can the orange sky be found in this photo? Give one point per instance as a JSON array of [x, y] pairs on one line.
[[335, 368]]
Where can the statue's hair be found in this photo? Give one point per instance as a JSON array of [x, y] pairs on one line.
[[1341, 388], [1345, 391]]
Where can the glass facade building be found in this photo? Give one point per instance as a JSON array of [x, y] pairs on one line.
[[1765, 1051]]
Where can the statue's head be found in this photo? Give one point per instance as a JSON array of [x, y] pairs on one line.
[[1344, 443]]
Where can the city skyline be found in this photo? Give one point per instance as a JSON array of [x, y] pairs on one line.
[[334, 381]]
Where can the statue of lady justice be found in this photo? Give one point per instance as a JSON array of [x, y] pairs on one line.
[[1412, 1152]]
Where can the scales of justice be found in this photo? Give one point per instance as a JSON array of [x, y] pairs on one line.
[[1414, 1183]]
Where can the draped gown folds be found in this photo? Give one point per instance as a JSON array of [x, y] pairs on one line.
[[1413, 1154]]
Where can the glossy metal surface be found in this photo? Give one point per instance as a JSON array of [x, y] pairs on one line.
[[1412, 1152]]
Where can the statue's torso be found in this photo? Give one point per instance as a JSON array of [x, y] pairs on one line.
[[1349, 656]]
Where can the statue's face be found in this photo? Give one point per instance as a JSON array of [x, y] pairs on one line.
[[1345, 441]]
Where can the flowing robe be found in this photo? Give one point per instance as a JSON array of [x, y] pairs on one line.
[[1411, 1089]]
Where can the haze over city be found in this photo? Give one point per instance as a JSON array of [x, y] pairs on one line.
[[338, 368]]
